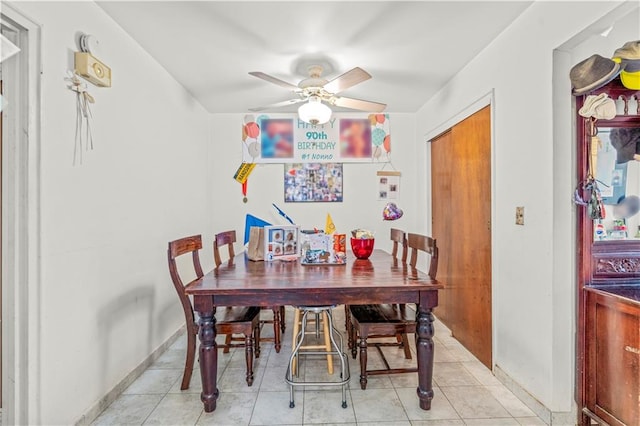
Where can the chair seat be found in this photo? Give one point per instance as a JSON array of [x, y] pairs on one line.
[[389, 314], [237, 314]]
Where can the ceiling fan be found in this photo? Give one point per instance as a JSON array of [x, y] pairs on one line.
[[315, 89]]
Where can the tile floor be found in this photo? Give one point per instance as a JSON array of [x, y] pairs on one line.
[[466, 392]]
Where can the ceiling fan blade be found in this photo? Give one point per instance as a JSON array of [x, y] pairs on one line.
[[358, 104], [274, 80], [346, 80], [278, 104]]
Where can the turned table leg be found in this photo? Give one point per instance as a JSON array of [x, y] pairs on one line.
[[277, 328], [208, 360], [424, 347]]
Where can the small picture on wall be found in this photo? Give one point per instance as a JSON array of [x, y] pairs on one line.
[[313, 182], [388, 185]]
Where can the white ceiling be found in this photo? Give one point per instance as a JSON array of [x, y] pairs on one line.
[[410, 48]]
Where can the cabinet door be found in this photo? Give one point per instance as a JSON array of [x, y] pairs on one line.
[[613, 360]]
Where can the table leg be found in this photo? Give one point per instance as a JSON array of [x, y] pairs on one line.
[[208, 360], [277, 335], [424, 347]]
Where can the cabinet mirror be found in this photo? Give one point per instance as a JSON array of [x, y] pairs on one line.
[[617, 171]]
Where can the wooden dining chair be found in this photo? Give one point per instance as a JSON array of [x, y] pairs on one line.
[[228, 238], [229, 320], [389, 319], [399, 241]]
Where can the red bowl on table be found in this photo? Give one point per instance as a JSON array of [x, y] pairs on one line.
[[362, 248]]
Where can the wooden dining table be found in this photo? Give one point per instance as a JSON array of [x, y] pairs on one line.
[[379, 279]]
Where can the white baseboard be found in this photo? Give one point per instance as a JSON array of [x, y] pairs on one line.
[[552, 418], [94, 411]]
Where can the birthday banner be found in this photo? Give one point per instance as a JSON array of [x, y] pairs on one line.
[[346, 138]]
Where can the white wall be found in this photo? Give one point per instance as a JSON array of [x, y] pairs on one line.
[[360, 208], [533, 293], [107, 300]]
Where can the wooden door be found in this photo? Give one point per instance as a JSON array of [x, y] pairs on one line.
[[461, 205]]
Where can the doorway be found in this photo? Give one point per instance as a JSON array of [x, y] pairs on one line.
[[461, 224], [20, 212]]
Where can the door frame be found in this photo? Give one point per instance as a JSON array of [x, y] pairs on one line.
[[486, 100], [21, 223]]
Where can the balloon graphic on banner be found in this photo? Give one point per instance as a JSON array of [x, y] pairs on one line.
[[252, 129], [387, 143], [254, 149], [377, 136]]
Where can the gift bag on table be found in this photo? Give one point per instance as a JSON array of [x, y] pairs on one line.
[[255, 249]]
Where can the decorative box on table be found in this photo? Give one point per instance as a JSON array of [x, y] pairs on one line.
[[281, 242], [317, 248]]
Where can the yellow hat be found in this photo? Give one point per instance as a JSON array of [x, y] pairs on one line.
[[630, 80], [628, 56]]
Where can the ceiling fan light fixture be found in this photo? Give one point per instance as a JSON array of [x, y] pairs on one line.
[[314, 112]]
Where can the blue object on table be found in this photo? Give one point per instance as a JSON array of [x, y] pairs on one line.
[[283, 214], [250, 221]]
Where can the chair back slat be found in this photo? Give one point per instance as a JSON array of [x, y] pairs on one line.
[[417, 243], [176, 249], [226, 238], [399, 238]]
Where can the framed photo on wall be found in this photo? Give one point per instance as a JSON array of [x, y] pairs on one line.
[[313, 182]]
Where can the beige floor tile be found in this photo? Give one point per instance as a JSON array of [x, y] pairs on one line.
[[234, 380], [383, 423], [128, 410], [442, 354], [154, 382], [373, 382], [377, 404], [474, 402], [405, 380], [272, 408], [232, 409], [481, 373], [492, 422], [318, 373], [278, 359], [437, 423], [441, 409], [530, 421], [176, 409], [514, 406], [325, 406], [343, 424], [461, 353], [180, 343], [273, 379], [453, 374], [194, 387], [172, 358], [239, 359]]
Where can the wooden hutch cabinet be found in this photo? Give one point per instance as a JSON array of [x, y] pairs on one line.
[[608, 293]]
